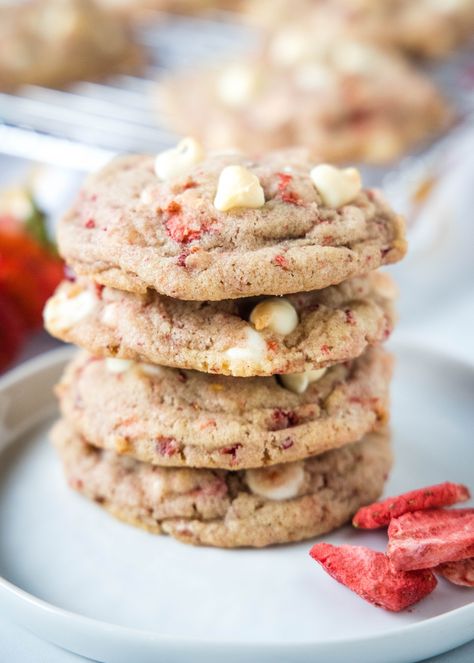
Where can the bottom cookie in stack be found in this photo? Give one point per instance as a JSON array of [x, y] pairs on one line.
[[226, 508]]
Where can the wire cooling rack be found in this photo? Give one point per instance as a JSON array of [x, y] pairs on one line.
[[83, 125]]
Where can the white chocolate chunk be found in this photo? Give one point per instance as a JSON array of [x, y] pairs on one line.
[[66, 309], [336, 186], [276, 314], [357, 58], [115, 365], [150, 369], [252, 352], [111, 314], [238, 187], [238, 84], [385, 286], [299, 382], [280, 482], [288, 47], [178, 160], [313, 76], [154, 485]]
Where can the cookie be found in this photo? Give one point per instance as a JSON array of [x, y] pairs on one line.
[[227, 227], [173, 417], [426, 28], [255, 508], [54, 42], [330, 326], [342, 99]]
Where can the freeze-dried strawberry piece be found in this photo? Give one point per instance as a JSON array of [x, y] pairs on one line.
[[370, 574], [425, 539], [379, 514], [459, 573]]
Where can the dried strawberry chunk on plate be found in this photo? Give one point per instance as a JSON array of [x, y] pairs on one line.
[[379, 514], [369, 574], [459, 573], [425, 539]]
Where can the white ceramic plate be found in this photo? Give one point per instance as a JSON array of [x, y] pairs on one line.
[[76, 577]]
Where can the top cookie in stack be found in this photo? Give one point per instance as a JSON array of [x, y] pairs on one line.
[[220, 264], [176, 254]]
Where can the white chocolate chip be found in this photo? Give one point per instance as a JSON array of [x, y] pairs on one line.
[[238, 187], [299, 382], [252, 352], [288, 47], [280, 482], [356, 58], [313, 76], [67, 308], [150, 369], [114, 365], [146, 197], [384, 285], [276, 314], [111, 314], [238, 84], [336, 186], [178, 160], [153, 485]]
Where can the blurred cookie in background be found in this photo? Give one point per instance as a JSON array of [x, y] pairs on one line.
[[343, 99], [137, 7], [426, 28], [54, 42]]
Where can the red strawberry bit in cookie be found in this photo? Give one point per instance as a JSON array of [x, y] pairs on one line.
[[99, 289], [350, 317], [181, 376], [459, 573], [287, 443], [369, 574], [182, 259], [167, 446], [272, 345], [281, 261], [325, 349], [283, 419], [425, 539], [232, 450], [180, 229], [380, 514], [217, 488], [209, 423], [89, 224], [283, 184], [189, 184]]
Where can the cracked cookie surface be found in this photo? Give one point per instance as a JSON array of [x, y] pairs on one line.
[[175, 417], [334, 325], [131, 231], [218, 508]]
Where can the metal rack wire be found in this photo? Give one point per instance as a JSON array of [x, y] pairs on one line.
[[86, 123]]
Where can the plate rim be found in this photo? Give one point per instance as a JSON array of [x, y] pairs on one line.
[[20, 596]]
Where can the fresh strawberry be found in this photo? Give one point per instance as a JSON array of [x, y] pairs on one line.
[[29, 271], [379, 514], [425, 539], [12, 331], [370, 574], [459, 573]]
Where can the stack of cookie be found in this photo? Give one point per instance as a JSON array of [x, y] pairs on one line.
[[232, 391]]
